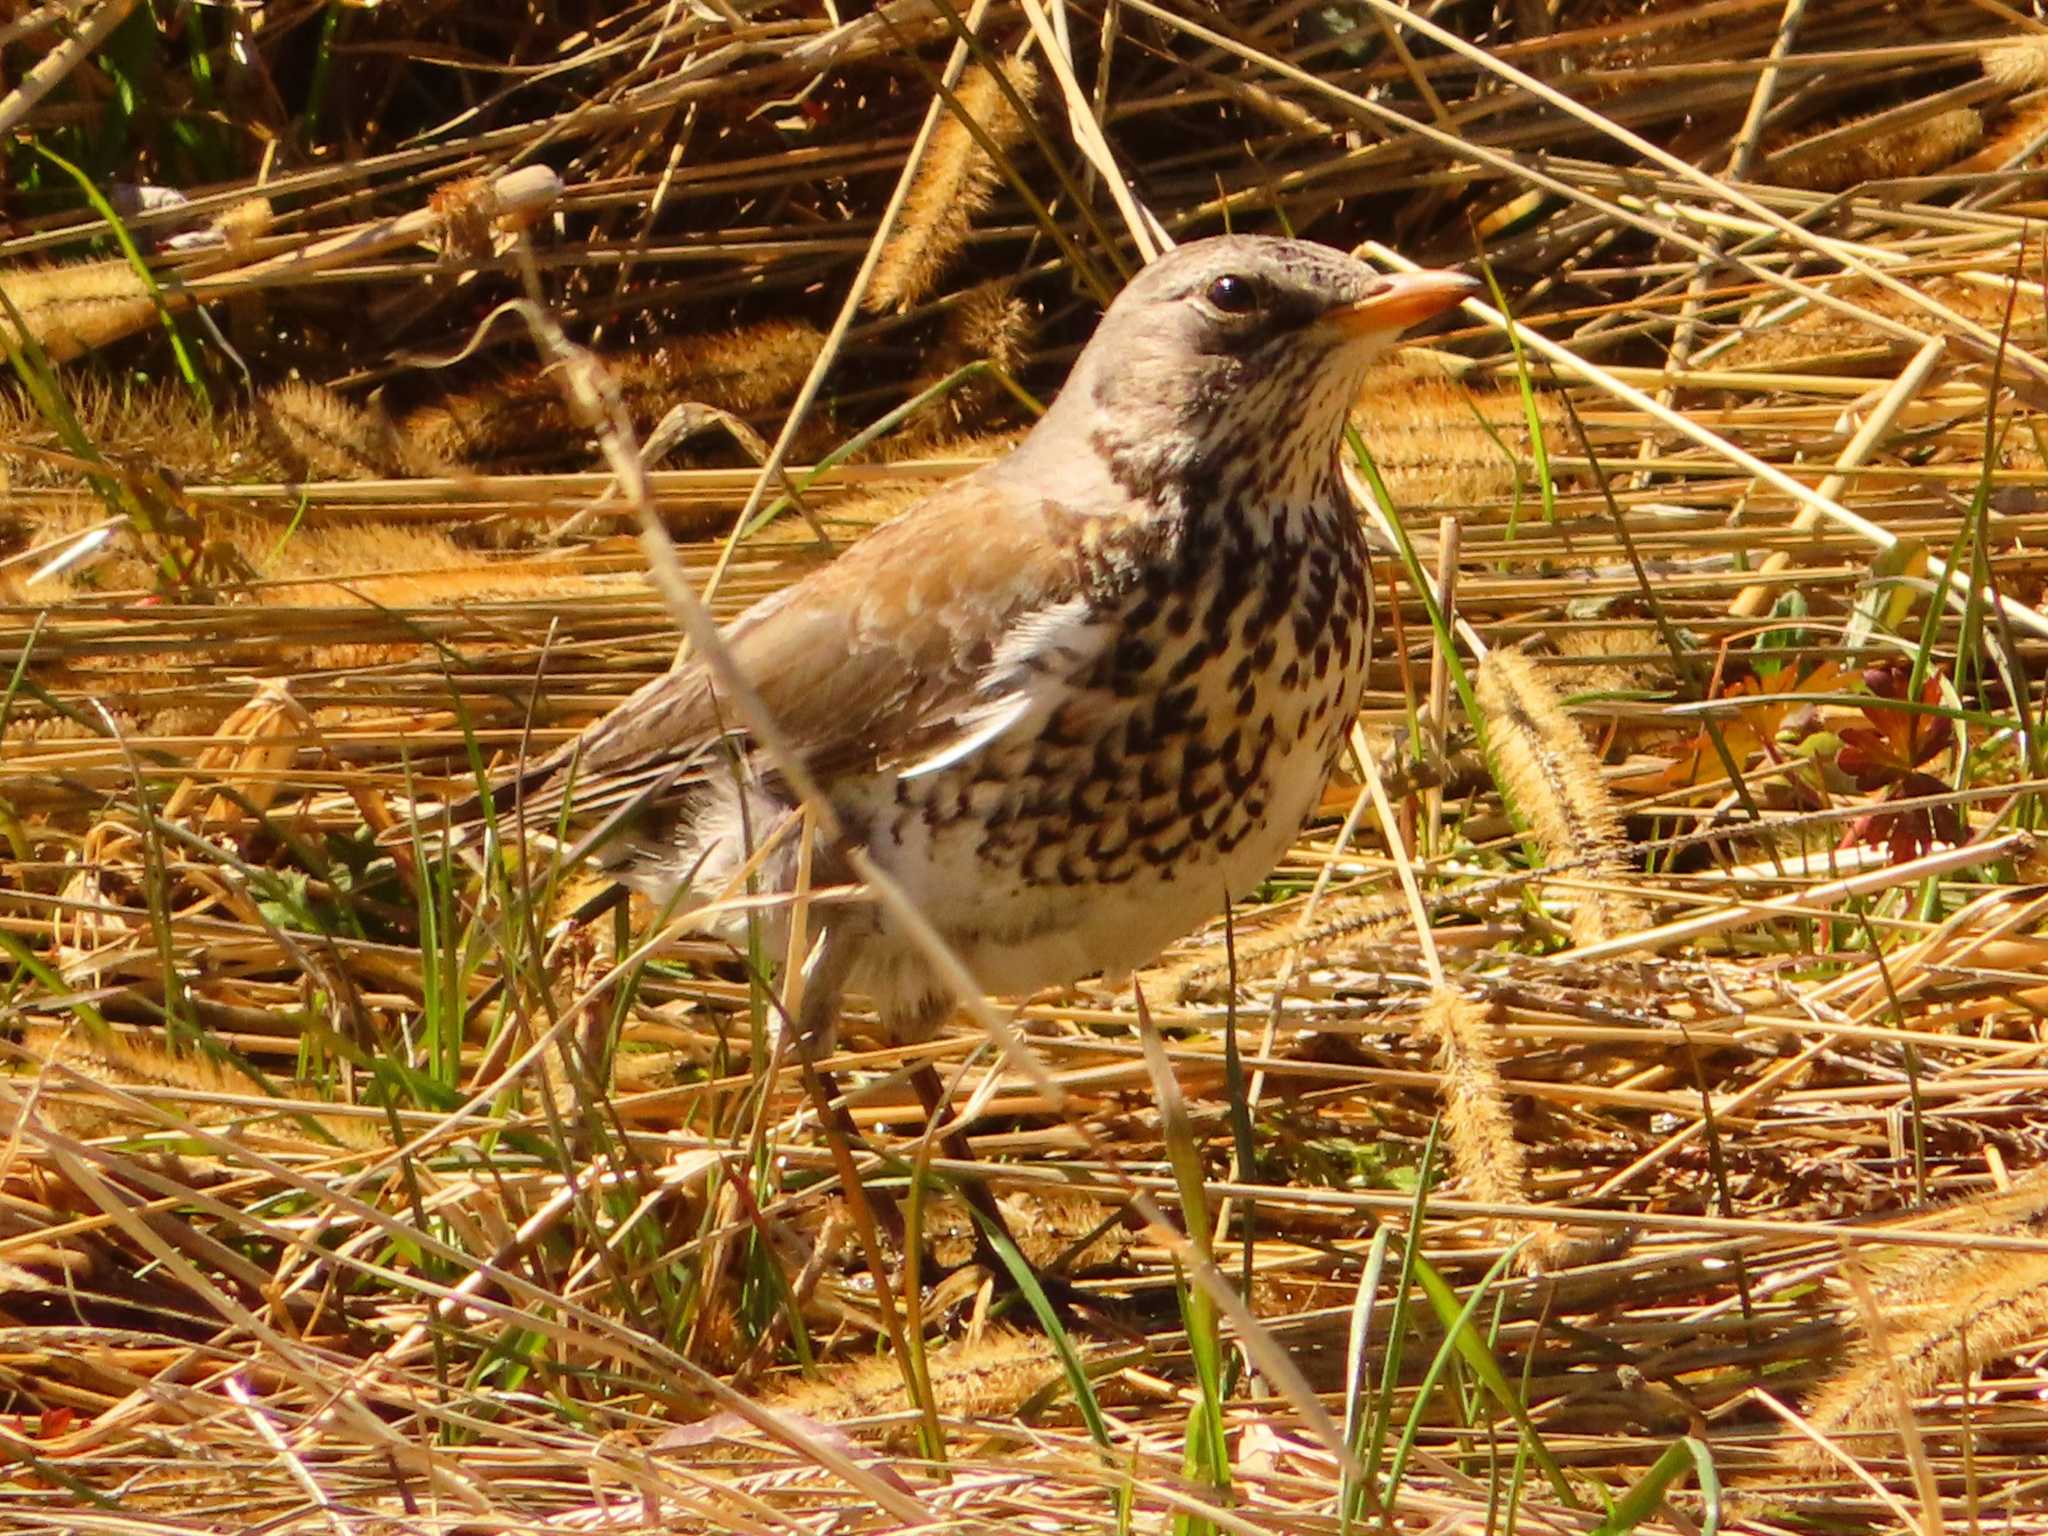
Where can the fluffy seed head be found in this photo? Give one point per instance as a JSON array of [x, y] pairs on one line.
[[1990, 1304], [1553, 781], [1912, 149], [2018, 64], [743, 371], [72, 309], [954, 183], [990, 323], [321, 436], [988, 1377]]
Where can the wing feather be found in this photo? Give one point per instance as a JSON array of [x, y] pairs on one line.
[[912, 645]]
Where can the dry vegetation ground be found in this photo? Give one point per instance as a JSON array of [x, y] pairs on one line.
[[1644, 1104]]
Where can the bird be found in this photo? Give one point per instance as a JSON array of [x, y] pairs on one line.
[[1073, 702]]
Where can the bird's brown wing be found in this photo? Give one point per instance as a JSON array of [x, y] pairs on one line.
[[877, 657]]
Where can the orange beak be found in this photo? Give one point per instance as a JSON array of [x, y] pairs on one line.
[[1408, 298]]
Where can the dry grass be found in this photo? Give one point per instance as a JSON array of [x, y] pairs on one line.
[[347, 1189]]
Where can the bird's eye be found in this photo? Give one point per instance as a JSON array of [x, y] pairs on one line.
[[1234, 295]]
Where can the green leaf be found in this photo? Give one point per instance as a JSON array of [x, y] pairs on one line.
[[1063, 1346], [1646, 1496], [1897, 580], [188, 368], [1450, 1312]]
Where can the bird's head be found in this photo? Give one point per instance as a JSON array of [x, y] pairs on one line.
[[1240, 345]]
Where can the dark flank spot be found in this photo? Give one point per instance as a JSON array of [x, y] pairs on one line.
[[1108, 754], [1197, 755], [1196, 797], [1143, 826], [1061, 730], [1262, 657], [1153, 778], [1114, 874], [1283, 590], [1321, 660], [1242, 779], [1290, 675], [1174, 714], [1190, 661], [1267, 731], [1089, 799], [1109, 839], [1231, 590], [1073, 871], [1045, 793], [1262, 620], [1180, 618], [1138, 739], [903, 791], [1133, 657], [1241, 673], [1312, 618], [1247, 701], [1162, 853], [1243, 540], [1255, 808], [1351, 560], [999, 843]]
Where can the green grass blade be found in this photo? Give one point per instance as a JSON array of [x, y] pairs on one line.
[[1351, 1494], [1646, 1496], [1062, 1342], [1476, 1355], [188, 369]]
